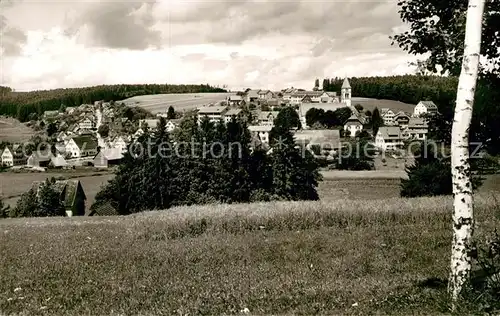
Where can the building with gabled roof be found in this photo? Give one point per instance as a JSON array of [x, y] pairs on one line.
[[108, 157], [13, 155], [252, 95], [267, 117], [353, 126], [214, 113], [389, 138], [232, 114], [417, 128], [425, 107], [81, 146], [71, 193]]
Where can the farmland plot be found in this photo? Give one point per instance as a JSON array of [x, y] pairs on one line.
[[158, 103]]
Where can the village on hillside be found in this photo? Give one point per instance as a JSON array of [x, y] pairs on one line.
[[99, 134]]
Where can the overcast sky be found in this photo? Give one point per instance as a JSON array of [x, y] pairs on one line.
[[275, 44]]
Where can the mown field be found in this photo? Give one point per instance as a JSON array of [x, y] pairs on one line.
[[11, 130], [371, 104], [181, 102], [351, 257]]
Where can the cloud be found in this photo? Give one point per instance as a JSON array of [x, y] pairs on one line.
[[127, 25], [11, 38], [244, 43]]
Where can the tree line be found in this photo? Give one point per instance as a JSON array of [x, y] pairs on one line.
[[442, 91], [24, 105]]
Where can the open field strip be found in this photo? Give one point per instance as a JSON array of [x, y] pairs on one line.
[[180, 101], [349, 258]]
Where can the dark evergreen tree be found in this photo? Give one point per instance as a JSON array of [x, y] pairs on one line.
[[170, 113], [26, 206], [295, 176], [430, 175], [103, 130], [376, 121], [51, 129], [50, 202]]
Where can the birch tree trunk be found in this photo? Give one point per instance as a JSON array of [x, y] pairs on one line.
[[463, 215]]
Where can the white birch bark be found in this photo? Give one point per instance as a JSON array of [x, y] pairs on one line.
[[463, 215]]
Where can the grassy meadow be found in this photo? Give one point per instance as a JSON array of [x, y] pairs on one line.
[[349, 257], [371, 104], [11, 130], [158, 103]]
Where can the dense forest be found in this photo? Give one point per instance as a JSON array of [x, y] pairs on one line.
[[442, 90], [26, 105]]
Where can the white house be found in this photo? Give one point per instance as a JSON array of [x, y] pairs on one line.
[[172, 124], [353, 126], [13, 156], [287, 94], [232, 113], [388, 116], [262, 132], [306, 97], [120, 144], [417, 128], [266, 118], [234, 99], [425, 107], [81, 146], [214, 113], [86, 123], [389, 138]]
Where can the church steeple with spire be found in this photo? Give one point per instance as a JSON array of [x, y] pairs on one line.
[[345, 92]]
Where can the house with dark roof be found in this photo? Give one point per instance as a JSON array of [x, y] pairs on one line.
[[401, 119], [267, 117], [234, 100], [353, 126], [417, 128], [265, 94], [46, 159], [232, 114], [252, 95], [81, 146], [389, 138], [13, 156], [71, 194], [425, 107], [214, 113]]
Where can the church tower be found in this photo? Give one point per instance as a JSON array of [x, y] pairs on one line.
[[345, 93]]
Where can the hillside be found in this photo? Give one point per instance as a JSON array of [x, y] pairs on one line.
[[27, 105], [347, 257], [179, 101]]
